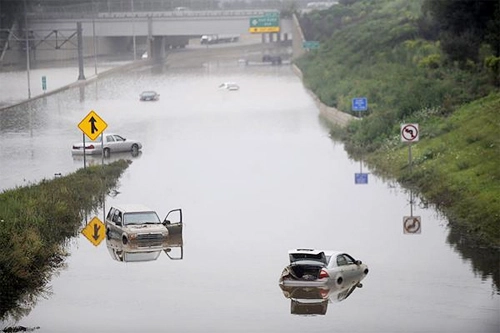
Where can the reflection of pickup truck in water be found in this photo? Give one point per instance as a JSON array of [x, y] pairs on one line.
[[216, 39]]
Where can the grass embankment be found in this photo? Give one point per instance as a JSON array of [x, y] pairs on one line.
[[456, 166], [380, 50], [36, 222]]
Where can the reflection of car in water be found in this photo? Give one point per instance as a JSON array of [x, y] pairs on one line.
[[309, 267], [149, 249], [98, 159], [315, 300], [273, 59]]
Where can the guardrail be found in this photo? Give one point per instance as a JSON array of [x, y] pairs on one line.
[[126, 14], [96, 8]]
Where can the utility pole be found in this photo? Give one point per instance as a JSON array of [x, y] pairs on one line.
[[81, 76], [27, 45]]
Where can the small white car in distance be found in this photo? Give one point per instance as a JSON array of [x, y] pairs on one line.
[[149, 95], [231, 86], [310, 267], [112, 143]]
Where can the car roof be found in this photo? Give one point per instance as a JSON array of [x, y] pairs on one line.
[[130, 208], [327, 253]]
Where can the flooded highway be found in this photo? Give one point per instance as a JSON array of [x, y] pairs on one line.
[[256, 174]]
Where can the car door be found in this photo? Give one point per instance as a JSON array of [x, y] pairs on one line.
[[109, 142], [114, 223], [347, 265], [120, 143], [173, 221]]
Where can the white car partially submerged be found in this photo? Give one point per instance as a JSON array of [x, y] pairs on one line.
[[310, 267], [232, 86], [111, 143]]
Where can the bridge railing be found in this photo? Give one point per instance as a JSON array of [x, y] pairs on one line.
[[96, 8]]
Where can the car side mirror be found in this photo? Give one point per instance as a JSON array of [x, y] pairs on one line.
[[118, 223], [358, 262], [166, 222]]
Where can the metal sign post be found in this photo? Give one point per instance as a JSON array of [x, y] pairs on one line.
[[409, 134], [92, 126], [359, 104]]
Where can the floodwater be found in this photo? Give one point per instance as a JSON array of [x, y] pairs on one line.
[[256, 174]]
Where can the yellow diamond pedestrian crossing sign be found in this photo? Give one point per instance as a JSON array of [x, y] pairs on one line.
[[92, 125], [95, 231]]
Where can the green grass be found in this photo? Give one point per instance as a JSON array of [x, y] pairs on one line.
[[36, 222], [457, 169], [377, 52]]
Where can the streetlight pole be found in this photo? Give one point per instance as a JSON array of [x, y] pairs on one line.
[[133, 29], [94, 42], [27, 45]]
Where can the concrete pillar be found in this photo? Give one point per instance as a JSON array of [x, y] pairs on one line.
[[150, 38], [81, 76]]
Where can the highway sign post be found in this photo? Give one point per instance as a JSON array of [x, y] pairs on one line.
[[412, 225], [409, 132], [310, 45], [361, 178], [359, 104], [92, 125], [270, 22], [95, 231], [44, 83]]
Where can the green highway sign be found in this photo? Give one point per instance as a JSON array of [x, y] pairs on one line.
[[270, 22], [310, 45]]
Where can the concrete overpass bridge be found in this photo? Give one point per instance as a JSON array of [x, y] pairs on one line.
[[56, 35]]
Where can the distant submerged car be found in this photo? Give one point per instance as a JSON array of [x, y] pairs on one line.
[[149, 95], [310, 267], [229, 86]]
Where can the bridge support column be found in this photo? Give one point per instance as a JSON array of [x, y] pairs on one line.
[[158, 46], [81, 76]]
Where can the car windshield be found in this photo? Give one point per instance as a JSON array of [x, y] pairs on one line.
[[140, 218], [148, 93], [140, 256]]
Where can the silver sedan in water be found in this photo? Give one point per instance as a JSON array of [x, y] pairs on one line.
[[111, 143], [310, 267]]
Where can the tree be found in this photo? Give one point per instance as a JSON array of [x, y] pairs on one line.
[[464, 25]]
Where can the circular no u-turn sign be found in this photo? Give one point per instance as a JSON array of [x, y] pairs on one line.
[[409, 132]]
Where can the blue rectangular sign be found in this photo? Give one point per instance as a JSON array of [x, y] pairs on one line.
[[361, 178], [359, 104]]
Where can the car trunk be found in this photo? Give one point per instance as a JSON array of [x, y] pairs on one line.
[[303, 270]]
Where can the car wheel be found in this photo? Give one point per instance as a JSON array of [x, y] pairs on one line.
[[135, 148], [107, 152], [108, 236]]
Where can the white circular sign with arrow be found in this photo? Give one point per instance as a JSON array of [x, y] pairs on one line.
[[409, 132]]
